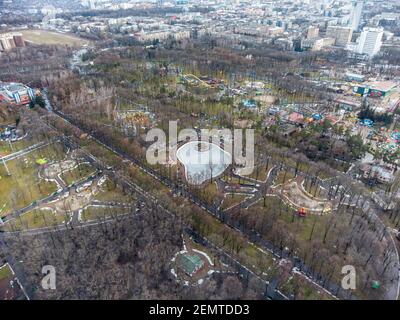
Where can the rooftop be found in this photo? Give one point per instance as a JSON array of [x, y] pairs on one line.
[[190, 263], [381, 85], [296, 117]]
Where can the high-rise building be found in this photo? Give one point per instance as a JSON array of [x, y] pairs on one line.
[[6, 42], [18, 40], [342, 35], [356, 13], [15, 94], [9, 41], [312, 33], [370, 41], [92, 4]]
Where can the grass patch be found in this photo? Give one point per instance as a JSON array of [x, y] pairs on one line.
[[24, 185], [277, 210], [238, 181], [283, 177], [112, 192], [5, 272], [263, 261], [232, 199], [260, 173], [51, 38], [81, 172], [209, 193], [95, 213], [100, 152], [303, 289], [35, 219], [6, 149]]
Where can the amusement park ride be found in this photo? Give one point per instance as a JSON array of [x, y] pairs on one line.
[[302, 212]]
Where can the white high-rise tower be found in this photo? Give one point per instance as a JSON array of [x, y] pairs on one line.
[[92, 4], [356, 13], [370, 41]]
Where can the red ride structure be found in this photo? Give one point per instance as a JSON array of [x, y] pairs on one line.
[[302, 212]]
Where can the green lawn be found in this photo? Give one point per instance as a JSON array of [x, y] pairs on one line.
[[81, 172], [301, 227], [111, 192], [5, 272], [303, 289], [264, 261], [261, 172], [51, 38], [6, 149], [101, 153], [232, 199], [94, 213], [209, 193], [238, 180], [283, 177], [35, 219], [24, 185]]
